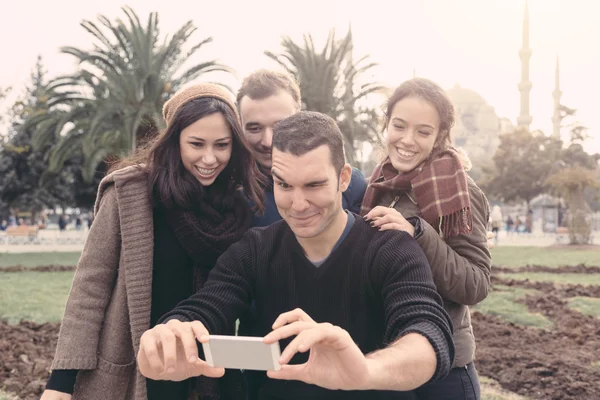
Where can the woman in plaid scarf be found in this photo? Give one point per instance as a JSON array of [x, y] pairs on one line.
[[422, 188]]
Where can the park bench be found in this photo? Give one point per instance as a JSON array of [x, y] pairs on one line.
[[22, 234]]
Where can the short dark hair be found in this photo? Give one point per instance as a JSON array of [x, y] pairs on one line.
[[307, 130], [171, 184], [265, 83]]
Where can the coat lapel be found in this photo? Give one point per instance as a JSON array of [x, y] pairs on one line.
[[137, 249]]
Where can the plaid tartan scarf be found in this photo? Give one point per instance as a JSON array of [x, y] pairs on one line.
[[440, 187]]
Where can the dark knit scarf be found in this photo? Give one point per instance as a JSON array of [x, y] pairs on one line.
[[219, 218], [440, 186]]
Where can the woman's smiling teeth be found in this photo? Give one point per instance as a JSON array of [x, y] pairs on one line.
[[405, 153], [204, 171]]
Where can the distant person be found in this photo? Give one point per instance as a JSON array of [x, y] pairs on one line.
[[90, 219], [366, 298], [518, 224], [497, 221], [161, 221], [21, 222], [422, 185], [529, 221], [78, 223], [509, 225], [62, 222], [3, 225], [42, 222]]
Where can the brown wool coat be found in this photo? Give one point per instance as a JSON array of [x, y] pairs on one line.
[[109, 304], [461, 265]]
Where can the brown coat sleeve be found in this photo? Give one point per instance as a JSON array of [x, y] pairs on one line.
[[91, 289], [461, 265]]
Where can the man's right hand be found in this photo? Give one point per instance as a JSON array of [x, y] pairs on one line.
[[169, 352], [54, 395]]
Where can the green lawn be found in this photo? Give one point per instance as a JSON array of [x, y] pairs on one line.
[[517, 256], [586, 305], [38, 259], [35, 296], [502, 302], [567, 278]]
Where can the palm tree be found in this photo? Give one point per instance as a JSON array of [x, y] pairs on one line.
[[118, 92], [329, 82]]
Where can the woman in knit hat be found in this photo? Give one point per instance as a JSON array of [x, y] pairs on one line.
[[422, 187], [162, 218]]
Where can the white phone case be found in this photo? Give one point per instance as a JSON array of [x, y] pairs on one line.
[[242, 352]]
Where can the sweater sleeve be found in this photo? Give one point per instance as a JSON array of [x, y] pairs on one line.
[[227, 293], [62, 380], [410, 301], [353, 196], [461, 265], [91, 290]]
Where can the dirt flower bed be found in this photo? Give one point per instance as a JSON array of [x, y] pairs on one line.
[[554, 364], [27, 350]]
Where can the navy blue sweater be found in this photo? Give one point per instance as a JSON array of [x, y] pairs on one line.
[[375, 285]]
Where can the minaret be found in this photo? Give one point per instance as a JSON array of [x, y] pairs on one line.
[[556, 95], [524, 119]]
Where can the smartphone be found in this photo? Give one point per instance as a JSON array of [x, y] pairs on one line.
[[242, 352]]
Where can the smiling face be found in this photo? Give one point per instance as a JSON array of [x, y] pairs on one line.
[[258, 118], [206, 147], [412, 131], [308, 191]]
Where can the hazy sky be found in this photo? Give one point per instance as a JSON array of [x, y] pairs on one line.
[[471, 42]]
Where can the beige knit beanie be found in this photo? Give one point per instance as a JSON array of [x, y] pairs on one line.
[[195, 92]]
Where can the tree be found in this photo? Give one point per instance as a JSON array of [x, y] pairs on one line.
[[116, 96], [575, 176], [330, 83], [571, 183], [21, 166], [3, 93], [521, 166], [577, 132]]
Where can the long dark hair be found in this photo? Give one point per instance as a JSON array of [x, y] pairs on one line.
[[171, 185]]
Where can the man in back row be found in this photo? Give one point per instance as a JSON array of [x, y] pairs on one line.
[[265, 98], [360, 301]]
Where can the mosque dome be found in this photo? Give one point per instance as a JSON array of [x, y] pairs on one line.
[[464, 97], [476, 127]]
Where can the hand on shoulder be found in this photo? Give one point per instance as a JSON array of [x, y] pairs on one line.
[[386, 218]]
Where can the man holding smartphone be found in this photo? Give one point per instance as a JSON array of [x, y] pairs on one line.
[[360, 302]]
